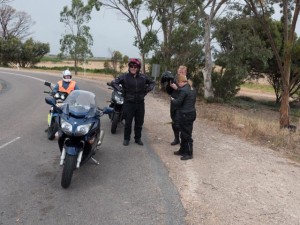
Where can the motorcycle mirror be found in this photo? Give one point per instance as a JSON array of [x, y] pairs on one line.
[[47, 84], [107, 110], [50, 101]]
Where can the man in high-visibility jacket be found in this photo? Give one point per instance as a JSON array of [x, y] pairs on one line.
[[66, 84]]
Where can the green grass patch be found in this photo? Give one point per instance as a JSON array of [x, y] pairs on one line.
[[245, 102], [261, 87]]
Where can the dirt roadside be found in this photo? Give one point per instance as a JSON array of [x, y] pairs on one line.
[[229, 181]]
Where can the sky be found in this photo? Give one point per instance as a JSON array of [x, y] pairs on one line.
[[109, 29]]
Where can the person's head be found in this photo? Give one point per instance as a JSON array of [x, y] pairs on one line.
[[134, 66], [181, 81], [66, 76], [182, 70]]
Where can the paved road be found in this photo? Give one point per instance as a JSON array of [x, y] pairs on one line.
[[130, 186]]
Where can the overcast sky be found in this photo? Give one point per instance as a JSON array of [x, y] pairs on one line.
[[109, 30]]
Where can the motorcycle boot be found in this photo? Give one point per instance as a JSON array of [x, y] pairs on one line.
[[189, 152], [180, 152], [182, 149], [176, 134]]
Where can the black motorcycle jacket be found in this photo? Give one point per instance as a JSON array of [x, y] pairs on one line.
[[134, 88], [186, 99]]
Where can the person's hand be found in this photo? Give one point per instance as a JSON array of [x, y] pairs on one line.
[[174, 86]]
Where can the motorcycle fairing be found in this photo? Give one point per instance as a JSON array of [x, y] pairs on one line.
[[72, 148]]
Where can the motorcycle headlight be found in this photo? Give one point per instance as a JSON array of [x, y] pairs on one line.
[[56, 95], [63, 97], [66, 127], [83, 129], [119, 100]]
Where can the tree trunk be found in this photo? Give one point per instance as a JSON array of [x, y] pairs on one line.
[[143, 63], [75, 66], [284, 107], [207, 70]]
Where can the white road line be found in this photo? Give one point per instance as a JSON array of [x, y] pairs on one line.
[[21, 75], [2, 146]]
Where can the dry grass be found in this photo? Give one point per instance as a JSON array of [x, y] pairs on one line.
[[258, 126]]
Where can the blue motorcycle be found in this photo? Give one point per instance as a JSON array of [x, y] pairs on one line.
[[79, 131]]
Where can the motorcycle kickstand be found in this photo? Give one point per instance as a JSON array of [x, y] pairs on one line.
[[95, 161]]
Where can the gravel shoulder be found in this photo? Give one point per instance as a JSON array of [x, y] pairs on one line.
[[229, 181]]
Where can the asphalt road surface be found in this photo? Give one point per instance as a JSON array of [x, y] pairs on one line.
[[130, 186]]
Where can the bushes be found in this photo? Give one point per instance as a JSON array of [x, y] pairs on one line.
[[226, 86]]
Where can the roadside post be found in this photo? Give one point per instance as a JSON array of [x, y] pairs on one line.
[[155, 73]]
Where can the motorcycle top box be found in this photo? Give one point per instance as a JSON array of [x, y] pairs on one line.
[[79, 133]]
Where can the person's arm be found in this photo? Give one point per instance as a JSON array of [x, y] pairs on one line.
[[55, 89], [76, 87], [150, 84], [116, 82], [181, 96]]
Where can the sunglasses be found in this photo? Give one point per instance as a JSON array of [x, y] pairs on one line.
[[133, 66]]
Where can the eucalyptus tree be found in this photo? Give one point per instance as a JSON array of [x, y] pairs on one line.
[[77, 41], [208, 10], [242, 52], [116, 58], [262, 10], [13, 23], [32, 52], [135, 13]]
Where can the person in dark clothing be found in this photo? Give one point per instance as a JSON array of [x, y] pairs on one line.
[[185, 102], [172, 90], [135, 87]]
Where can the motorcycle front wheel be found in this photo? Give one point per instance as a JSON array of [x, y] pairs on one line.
[[69, 166], [114, 123]]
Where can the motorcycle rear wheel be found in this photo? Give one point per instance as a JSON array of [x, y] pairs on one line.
[[115, 121], [69, 166], [52, 130]]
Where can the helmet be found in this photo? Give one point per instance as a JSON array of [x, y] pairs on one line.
[[134, 61], [67, 76], [167, 76]]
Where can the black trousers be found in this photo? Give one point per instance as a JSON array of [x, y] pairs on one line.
[[186, 129], [134, 111], [175, 116]]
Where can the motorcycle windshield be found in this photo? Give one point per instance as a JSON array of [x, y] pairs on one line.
[[80, 103]]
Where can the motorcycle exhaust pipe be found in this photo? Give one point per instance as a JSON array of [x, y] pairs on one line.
[[101, 136]]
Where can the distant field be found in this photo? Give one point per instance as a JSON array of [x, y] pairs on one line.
[[89, 65]]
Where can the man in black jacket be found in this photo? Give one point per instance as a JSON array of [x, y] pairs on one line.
[[135, 87], [185, 102]]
